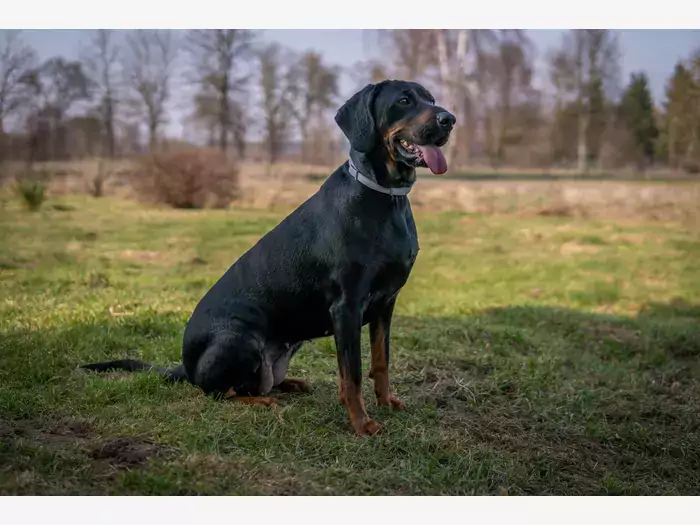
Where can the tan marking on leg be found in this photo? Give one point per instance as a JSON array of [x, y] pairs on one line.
[[293, 384], [355, 406], [231, 395], [341, 389], [379, 371], [255, 400]]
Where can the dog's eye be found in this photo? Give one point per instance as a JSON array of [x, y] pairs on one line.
[[404, 101]]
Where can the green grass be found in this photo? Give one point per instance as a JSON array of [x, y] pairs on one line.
[[535, 355]]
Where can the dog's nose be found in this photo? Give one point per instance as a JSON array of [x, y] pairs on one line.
[[445, 119]]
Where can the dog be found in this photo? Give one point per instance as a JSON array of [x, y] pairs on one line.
[[335, 264]]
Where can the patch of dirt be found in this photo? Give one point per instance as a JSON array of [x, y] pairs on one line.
[[629, 238], [198, 261], [114, 452], [52, 433], [128, 451], [136, 255], [556, 211], [569, 248]]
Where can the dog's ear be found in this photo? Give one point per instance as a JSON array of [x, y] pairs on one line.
[[356, 119]]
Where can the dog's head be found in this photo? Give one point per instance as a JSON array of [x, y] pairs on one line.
[[401, 119]]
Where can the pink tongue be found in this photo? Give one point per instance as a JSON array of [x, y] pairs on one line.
[[433, 157]]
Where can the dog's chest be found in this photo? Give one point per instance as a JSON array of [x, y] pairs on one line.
[[395, 250]]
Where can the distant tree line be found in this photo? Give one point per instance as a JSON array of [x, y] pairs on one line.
[[585, 116], [117, 99], [122, 87]]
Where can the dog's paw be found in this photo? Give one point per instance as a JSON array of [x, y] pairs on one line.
[[294, 385], [393, 402], [368, 427]]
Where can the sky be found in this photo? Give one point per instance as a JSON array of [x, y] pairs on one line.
[[651, 50]]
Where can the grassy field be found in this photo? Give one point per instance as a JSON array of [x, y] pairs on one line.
[[522, 192], [536, 355]]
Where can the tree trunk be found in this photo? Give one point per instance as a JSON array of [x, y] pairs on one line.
[[152, 136], [211, 142], [582, 148], [304, 134], [450, 86], [582, 117], [224, 116], [109, 127], [672, 144]]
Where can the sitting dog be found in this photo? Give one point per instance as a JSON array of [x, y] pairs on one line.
[[332, 266]]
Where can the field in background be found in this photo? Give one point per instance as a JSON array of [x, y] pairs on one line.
[[517, 192], [540, 347]]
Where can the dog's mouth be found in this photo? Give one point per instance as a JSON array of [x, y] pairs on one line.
[[423, 155]]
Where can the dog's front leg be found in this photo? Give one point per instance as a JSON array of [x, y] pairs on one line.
[[347, 330], [379, 330]]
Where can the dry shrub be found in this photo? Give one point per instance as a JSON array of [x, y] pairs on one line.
[[187, 178], [96, 181], [691, 167]]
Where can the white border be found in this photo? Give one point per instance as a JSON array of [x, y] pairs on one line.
[[351, 510], [352, 14]]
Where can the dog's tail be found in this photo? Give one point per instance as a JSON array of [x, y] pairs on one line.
[[173, 375]]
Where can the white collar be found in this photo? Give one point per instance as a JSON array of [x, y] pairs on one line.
[[362, 179]]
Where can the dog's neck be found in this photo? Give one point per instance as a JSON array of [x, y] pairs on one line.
[[376, 167]]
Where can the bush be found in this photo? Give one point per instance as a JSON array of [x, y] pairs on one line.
[[188, 178], [32, 191], [691, 167]]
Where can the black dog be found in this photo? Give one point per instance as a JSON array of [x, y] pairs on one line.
[[335, 264]]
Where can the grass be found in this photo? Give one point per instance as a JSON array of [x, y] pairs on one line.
[[536, 355]]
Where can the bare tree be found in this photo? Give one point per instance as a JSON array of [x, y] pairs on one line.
[[219, 58], [205, 114], [16, 59], [590, 58], [367, 72], [278, 82], [101, 59], [55, 86], [462, 57], [561, 77], [508, 75], [317, 87], [149, 70], [412, 51]]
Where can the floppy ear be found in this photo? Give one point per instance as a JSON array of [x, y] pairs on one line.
[[356, 120]]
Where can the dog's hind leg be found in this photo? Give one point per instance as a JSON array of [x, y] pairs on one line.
[[234, 367]]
